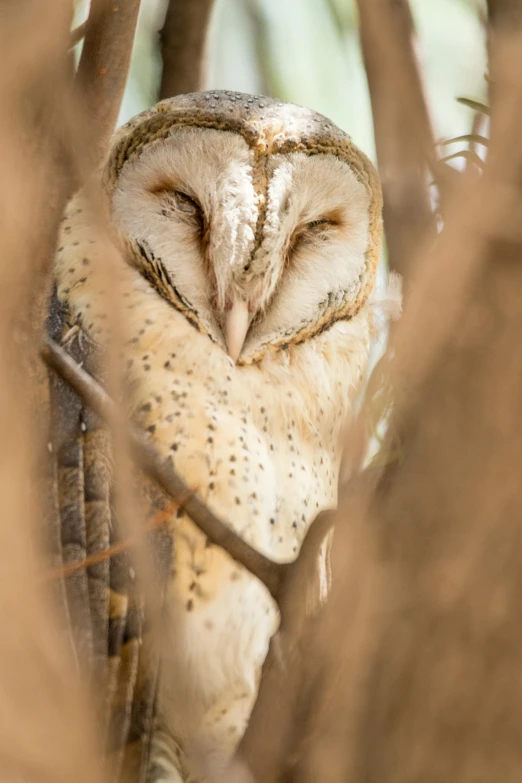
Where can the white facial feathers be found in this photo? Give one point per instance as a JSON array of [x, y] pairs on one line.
[[286, 253], [318, 225], [214, 168]]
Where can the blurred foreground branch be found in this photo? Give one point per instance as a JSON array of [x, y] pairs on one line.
[[504, 22], [46, 732], [410, 671]]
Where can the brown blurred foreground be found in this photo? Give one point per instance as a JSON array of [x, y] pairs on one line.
[[410, 672]]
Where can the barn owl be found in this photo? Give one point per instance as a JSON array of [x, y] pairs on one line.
[[247, 232]]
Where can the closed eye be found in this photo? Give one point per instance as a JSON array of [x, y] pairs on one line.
[[318, 229], [321, 223], [177, 203], [186, 203]]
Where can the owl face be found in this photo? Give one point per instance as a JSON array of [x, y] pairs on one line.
[[259, 220]]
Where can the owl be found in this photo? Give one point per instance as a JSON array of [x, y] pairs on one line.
[[246, 234]]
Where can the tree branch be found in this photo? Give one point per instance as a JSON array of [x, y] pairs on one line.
[[269, 573], [504, 13], [268, 740], [403, 135], [504, 21], [183, 40], [104, 65]]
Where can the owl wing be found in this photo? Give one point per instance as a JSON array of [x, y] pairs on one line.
[[101, 612]]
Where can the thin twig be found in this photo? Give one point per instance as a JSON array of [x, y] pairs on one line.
[[477, 140], [104, 65], [146, 456], [403, 134], [77, 35], [183, 39]]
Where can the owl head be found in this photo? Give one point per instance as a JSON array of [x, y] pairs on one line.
[[259, 220]]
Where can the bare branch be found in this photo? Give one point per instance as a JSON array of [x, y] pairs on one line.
[[269, 573], [403, 135], [104, 65], [183, 40]]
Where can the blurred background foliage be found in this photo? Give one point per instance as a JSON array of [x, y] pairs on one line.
[[307, 52]]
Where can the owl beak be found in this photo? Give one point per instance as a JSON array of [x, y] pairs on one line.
[[236, 327]]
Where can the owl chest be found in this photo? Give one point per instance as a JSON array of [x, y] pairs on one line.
[[261, 474], [249, 458]]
